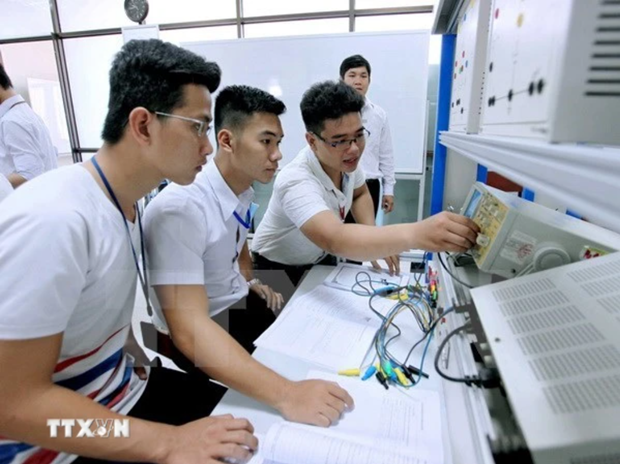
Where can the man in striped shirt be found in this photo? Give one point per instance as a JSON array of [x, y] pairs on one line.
[[70, 241]]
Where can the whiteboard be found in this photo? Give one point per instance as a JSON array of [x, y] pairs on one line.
[[287, 67]]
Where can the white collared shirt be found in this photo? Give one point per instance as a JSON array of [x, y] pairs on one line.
[[194, 238], [301, 190], [378, 157], [25, 144]]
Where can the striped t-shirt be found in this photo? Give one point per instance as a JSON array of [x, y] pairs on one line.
[[67, 266]]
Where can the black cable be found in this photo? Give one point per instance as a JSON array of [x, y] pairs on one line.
[[450, 272], [426, 334], [466, 380], [419, 276]]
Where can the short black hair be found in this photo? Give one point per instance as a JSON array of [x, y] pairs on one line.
[[328, 100], [152, 74], [236, 103], [5, 80], [354, 61]]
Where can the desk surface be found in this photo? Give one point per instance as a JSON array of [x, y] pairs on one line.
[[458, 437]]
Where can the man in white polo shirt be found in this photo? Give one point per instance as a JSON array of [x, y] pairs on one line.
[[378, 160], [312, 195], [200, 264], [26, 148]]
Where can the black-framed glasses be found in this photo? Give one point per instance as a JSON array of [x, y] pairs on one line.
[[202, 127], [344, 144]]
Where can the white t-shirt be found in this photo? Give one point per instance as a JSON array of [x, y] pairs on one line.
[[193, 238], [67, 266], [26, 147], [301, 190], [378, 159], [5, 187]]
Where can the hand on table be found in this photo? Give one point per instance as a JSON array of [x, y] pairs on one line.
[[314, 402], [211, 440], [393, 263]]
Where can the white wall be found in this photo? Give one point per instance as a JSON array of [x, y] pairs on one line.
[[33, 59]]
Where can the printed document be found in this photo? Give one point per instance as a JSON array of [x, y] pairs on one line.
[[386, 427], [326, 326]]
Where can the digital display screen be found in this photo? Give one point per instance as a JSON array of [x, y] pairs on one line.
[[473, 204]]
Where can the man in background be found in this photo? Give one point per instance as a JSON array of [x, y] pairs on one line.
[[378, 160], [26, 148]]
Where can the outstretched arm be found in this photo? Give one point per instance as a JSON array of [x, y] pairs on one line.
[[441, 232], [213, 350]]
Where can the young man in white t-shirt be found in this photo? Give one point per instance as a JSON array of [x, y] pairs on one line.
[[200, 264], [312, 195], [70, 241]]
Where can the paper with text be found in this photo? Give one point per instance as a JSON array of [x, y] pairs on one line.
[[393, 427], [328, 327]]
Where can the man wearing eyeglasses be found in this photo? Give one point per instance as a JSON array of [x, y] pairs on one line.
[[378, 161], [68, 295], [312, 195]]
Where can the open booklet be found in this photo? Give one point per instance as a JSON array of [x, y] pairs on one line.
[[386, 427]]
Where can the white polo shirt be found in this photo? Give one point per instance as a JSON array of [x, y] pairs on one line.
[[193, 238], [26, 147], [301, 190], [378, 159]]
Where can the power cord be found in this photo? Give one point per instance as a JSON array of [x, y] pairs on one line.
[[450, 272], [487, 377]]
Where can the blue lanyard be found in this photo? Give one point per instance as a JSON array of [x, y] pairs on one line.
[[144, 282], [248, 219]]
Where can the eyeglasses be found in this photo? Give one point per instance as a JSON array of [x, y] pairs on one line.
[[344, 144], [202, 127]]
